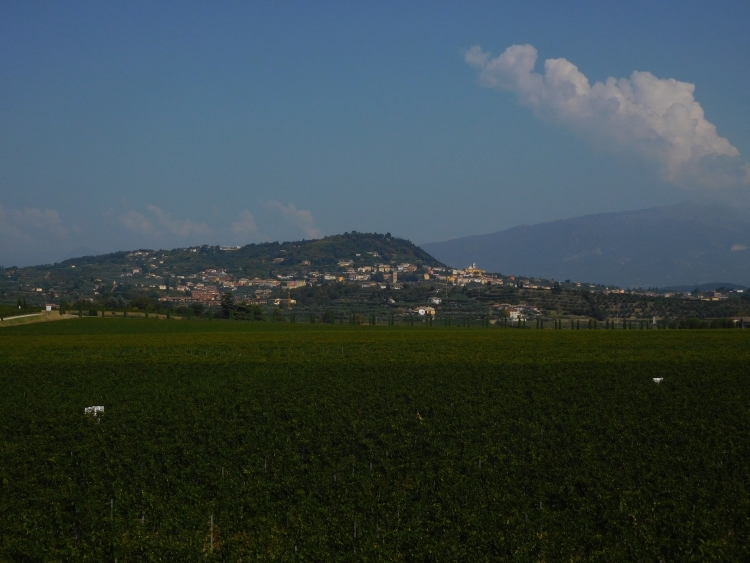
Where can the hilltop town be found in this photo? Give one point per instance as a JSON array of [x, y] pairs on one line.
[[354, 275]]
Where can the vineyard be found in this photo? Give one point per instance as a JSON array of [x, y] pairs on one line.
[[224, 441]]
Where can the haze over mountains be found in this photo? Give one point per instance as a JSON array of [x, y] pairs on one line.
[[678, 245]]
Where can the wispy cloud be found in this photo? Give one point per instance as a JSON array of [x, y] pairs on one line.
[[157, 222], [300, 218], [658, 118], [245, 225], [25, 225]]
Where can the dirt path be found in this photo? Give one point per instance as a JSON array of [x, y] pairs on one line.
[[22, 316], [42, 317]]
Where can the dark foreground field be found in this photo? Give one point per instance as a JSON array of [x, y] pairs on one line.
[[326, 443]]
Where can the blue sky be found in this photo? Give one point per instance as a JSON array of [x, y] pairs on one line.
[[157, 125]]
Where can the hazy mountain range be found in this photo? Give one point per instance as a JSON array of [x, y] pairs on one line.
[[678, 245]]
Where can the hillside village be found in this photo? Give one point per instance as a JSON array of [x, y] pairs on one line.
[[352, 274]]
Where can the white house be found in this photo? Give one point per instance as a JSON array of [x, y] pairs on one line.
[[516, 314], [424, 310]]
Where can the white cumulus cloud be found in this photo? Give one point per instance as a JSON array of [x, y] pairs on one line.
[[158, 222], [300, 218], [656, 117]]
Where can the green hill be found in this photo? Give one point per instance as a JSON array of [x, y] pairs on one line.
[[258, 259], [335, 275], [145, 269]]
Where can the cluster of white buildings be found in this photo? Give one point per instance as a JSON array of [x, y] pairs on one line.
[[461, 277], [208, 285], [518, 312]]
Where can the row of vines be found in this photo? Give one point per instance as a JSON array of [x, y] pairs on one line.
[[373, 444]]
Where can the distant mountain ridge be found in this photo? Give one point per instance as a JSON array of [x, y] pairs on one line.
[[677, 245]]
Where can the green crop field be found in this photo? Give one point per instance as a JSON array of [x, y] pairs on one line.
[[224, 441]]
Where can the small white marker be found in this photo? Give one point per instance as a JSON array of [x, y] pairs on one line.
[[658, 379]]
